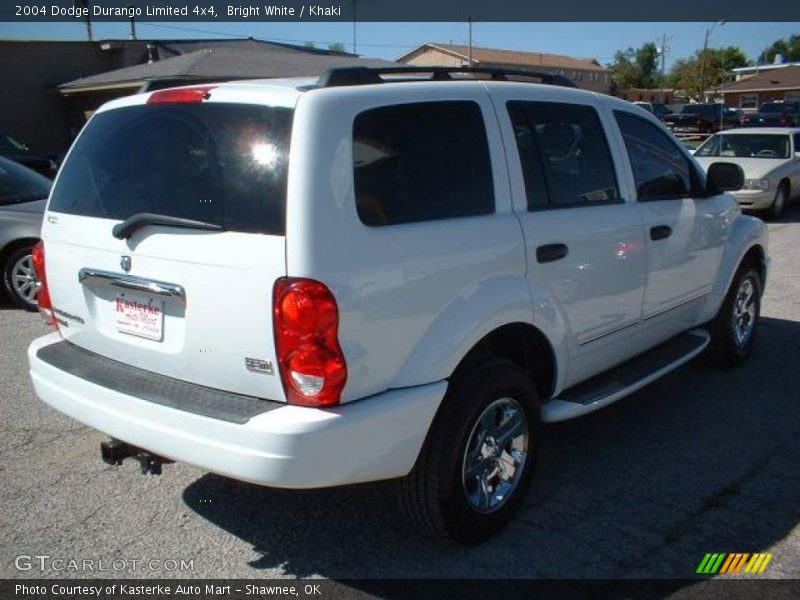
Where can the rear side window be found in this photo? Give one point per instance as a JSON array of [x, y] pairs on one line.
[[564, 155], [220, 163], [660, 168], [421, 162]]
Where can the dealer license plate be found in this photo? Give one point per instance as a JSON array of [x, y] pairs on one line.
[[142, 316]]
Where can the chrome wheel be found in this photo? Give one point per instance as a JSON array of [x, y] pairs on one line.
[[744, 312], [495, 455], [23, 280]]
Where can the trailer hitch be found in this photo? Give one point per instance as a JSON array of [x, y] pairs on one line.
[[113, 452]]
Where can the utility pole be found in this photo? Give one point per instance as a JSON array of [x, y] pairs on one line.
[[132, 34], [469, 28], [663, 63], [703, 59], [85, 4], [354, 27]]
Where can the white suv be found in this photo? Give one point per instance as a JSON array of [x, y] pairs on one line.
[[381, 275]]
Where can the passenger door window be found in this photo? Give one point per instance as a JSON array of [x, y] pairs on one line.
[[660, 168], [421, 162], [564, 155]]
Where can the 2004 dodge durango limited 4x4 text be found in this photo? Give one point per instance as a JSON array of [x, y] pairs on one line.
[[381, 274]]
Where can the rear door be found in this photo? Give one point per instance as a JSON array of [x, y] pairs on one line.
[[584, 240], [194, 304]]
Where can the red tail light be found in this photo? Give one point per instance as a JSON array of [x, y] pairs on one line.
[[311, 362], [192, 94], [743, 120], [43, 296]]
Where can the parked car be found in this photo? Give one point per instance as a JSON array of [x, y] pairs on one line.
[[702, 118], [658, 109], [461, 259], [23, 195], [773, 114], [18, 152], [770, 158]]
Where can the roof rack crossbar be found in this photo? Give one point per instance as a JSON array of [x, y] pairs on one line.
[[346, 76]]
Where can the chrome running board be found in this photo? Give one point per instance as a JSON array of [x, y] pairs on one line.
[[632, 375]]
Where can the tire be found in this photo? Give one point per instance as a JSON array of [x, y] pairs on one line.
[[439, 496], [775, 212], [731, 343], [18, 279]]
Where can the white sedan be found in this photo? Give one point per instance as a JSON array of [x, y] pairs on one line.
[[770, 158]]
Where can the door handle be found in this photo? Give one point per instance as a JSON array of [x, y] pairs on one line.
[[551, 252], [660, 232]]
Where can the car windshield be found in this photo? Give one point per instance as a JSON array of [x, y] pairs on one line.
[[20, 184], [757, 145]]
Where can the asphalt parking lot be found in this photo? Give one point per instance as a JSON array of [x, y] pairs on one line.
[[701, 461]]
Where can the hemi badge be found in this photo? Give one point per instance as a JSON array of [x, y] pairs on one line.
[[258, 366]]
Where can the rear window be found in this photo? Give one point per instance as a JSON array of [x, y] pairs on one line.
[[421, 162], [778, 107], [701, 109], [224, 164]]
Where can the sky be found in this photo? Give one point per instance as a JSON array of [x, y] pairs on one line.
[[391, 40]]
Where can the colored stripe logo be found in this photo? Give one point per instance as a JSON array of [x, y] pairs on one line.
[[726, 564]]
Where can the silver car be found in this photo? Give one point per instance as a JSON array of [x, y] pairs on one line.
[[23, 194], [770, 158]]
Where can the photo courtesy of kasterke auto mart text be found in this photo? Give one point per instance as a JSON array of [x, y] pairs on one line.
[[382, 273]]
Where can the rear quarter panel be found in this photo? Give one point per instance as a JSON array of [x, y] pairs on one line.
[[413, 298]]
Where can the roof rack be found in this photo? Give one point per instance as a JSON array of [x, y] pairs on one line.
[[345, 76]]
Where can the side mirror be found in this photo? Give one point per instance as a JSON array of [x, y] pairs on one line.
[[724, 177], [797, 155]]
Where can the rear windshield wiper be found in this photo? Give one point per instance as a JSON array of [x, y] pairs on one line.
[[125, 229]]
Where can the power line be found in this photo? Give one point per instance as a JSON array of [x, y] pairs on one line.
[[270, 39]]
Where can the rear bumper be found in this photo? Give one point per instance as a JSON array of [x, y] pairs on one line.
[[290, 447]]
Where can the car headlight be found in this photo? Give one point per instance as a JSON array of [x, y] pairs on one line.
[[756, 184]]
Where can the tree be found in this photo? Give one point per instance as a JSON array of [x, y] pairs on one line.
[[635, 68], [790, 48], [647, 64], [685, 73], [310, 45], [336, 47]]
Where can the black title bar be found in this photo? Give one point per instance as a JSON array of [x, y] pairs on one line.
[[396, 10]]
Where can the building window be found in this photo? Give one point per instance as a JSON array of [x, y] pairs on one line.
[[748, 101]]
